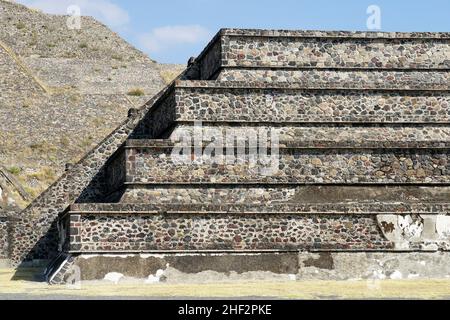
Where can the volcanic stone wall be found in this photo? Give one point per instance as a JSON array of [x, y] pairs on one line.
[[155, 165], [97, 232], [4, 239], [115, 172], [417, 53], [291, 105], [239, 102], [351, 78], [321, 50], [365, 220], [16, 80]]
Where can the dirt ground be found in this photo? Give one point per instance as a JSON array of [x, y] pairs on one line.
[[28, 288]]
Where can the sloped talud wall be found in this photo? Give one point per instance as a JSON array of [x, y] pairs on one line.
[[4, 239]]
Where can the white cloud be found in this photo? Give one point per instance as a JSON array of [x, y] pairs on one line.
[[164, 38], [103, 10]]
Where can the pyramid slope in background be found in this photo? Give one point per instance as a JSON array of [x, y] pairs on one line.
[[63, 91]]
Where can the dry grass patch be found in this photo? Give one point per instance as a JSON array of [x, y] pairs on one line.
[[136, 92], [169, 75]]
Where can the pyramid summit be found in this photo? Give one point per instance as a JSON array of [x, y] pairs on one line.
[[358, 141]]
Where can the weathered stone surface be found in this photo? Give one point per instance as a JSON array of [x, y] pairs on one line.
[[142, 266], [243, 102], [363, 165], [318, 50], [329, 135], [432, 231], [283, 194], [35, 234], [195, 268], [326, 206], [64, 90], [130, 233], [153, 165], [4, 238], [372, 266], [361, 79]]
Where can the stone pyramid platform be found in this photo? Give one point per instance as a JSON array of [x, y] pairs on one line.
[[361, 190]]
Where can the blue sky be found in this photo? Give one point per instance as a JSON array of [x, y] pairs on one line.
[[171, 31]]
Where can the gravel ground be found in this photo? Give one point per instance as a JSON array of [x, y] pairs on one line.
[[29, 289]]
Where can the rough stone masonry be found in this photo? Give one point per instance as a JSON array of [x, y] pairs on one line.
[[362, 190]]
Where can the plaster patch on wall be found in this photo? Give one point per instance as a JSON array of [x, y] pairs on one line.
[[378, 275], [397, 275], [411, 226], [443, 226], [389, 225], [114, 277]]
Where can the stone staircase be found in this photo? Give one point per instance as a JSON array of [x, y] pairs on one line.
[[360, 123]]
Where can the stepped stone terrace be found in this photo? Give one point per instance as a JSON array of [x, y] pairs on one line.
[[361, 122]]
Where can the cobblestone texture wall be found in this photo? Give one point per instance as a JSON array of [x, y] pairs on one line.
[[225, 232], [17, 79], [304, 135], [322, 50], [4, 241], [298, 49], [350, 53], [153, 165], [344, 78], [287, 105]]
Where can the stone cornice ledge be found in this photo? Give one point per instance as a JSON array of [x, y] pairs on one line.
[[334, 34], [338, 208], [335, 86]]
